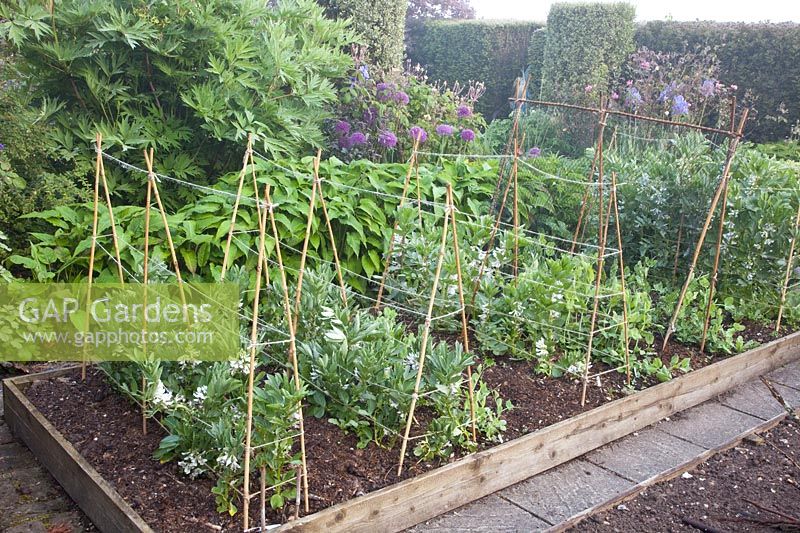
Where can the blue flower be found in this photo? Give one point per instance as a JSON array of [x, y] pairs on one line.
[[2, 146], [680, 106], [634, 98], [708, 88], [364, 70], [666, 92]]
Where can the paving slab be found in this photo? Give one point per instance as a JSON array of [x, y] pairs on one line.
[[710, 424], [487, 515], [788, 375], [566, 490], [754, 399], [644, 455]]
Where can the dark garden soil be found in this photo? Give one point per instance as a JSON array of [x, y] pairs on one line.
[[106, 429], [752, 487]]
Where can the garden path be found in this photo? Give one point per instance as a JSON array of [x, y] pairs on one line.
[[31, 501], [555, 499]]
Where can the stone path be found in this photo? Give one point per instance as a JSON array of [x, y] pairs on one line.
[[30, 499], [624, 467]]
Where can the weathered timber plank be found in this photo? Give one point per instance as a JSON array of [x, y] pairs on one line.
[[407, 503], [101, 503]]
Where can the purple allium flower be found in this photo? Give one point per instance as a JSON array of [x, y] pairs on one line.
[[634, 98], [464, 111], [535, 152], [467, 135], [364, 70], [418, 133], [342, 127], [357, 138], [370, 115], [384, 91], [444, 130], [387, 138], [708, 88], [401, 98], [344, 142], [680, 106]]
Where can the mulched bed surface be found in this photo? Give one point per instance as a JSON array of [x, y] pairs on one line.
[[106, 429], [746, 488]]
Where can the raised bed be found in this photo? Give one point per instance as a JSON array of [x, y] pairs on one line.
[[415, 500]]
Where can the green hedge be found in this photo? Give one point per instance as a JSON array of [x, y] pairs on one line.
[[381, 24], [762, 58], [536, 60], [586, 44], [494, 52]]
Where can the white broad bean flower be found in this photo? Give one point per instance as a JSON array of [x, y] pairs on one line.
[[200, 394], [228, 460], [541, 348], [163, 397], [193, 464]]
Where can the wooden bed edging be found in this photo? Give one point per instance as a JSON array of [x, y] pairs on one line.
[[96, 498], [416, 500]]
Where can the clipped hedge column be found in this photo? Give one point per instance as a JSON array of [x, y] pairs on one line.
[[492, 52], [586, 44], [381, 24]]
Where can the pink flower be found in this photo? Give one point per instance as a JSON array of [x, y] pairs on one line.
[[614, 96], [734, 87], [588, 88], [645, 65], [629, 83]]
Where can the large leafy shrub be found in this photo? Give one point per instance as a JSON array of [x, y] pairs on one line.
[[190, 79], [34, 175]]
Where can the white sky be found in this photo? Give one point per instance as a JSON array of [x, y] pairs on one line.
[[731, 10]]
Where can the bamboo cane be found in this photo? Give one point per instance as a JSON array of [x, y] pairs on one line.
[[514, 172], [600, 256], [248, 438], [677, 248], [715, 271], [247, 155], [493, 234], [263, 479], [725, 174], [258, 214], [419, 192], [512, 136], [582, 212], [337, 262], [425, 334], [92, 250], [625, 331], [390, 248], [171, 245], [789, 262], [146, 271], [304, 252], [287, 307], [111, 220], [464, 329]]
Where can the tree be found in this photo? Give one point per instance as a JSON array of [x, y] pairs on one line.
[[439, 9]]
